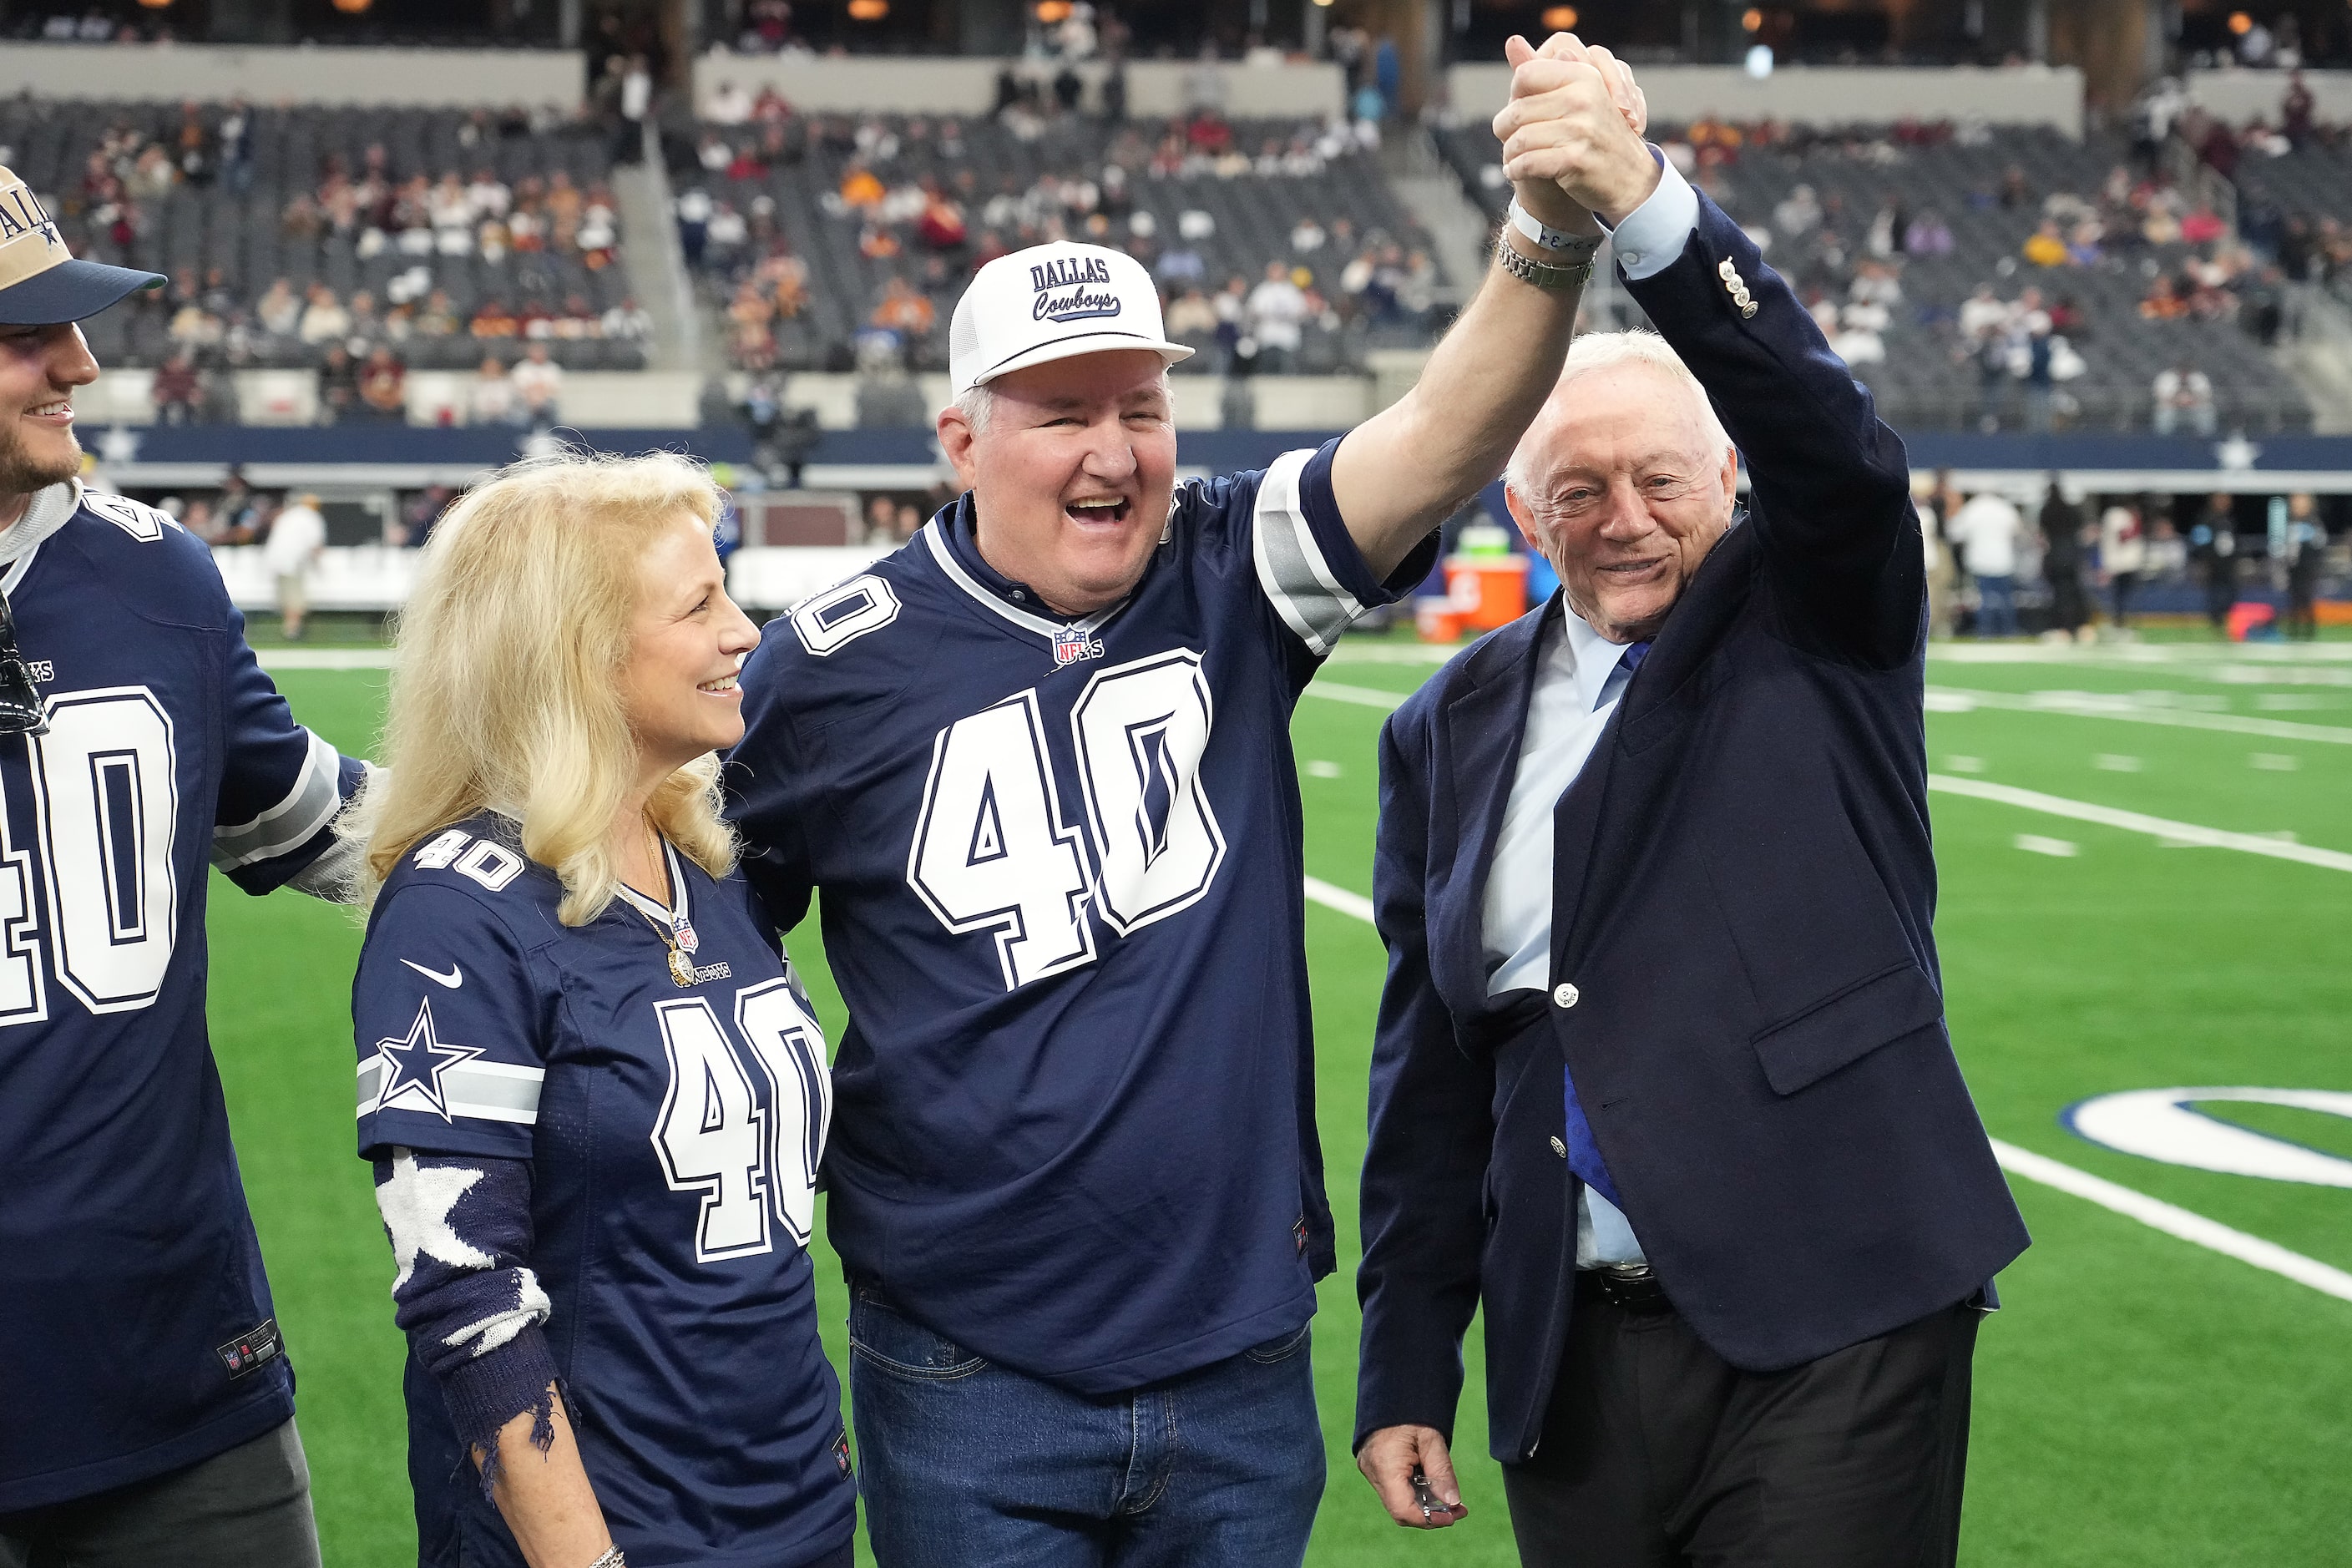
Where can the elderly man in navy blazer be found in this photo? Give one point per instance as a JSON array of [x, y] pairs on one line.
[[1661, 1078]]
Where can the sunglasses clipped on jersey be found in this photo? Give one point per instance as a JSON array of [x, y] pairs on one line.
[[20, 705]]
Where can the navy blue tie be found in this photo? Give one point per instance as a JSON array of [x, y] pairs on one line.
[[1583, 1153], [1629, 661]]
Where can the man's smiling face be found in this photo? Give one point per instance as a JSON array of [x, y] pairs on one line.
[[39, 368], [1631, 483], [1071, 474]]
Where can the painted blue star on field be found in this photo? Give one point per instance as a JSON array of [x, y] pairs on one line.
[[418, 1063]]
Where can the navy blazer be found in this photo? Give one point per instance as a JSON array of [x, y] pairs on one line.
[[1744, 891]]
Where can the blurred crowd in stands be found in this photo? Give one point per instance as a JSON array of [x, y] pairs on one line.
[[918, 195], [521, 255], [2173, 233]]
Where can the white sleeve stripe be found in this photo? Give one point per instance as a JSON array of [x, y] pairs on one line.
[[1290, 563], [308, 806], [487, 1091]]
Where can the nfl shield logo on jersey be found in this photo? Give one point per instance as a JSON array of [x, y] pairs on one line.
[[1071, 645]]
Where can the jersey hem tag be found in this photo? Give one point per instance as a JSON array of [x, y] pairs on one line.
[[250, 1350]]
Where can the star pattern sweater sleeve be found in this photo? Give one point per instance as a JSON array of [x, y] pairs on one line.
[[461, 1228]]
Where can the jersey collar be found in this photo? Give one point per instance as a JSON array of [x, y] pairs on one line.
[[954, 540], [672, 918], [49, 511]]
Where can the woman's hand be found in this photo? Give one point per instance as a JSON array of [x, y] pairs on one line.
[[545, 1498]]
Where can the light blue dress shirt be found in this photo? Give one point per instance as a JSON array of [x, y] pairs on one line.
[[1577, 685], [1655, 233]]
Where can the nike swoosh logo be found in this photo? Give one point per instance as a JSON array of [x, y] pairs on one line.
[[452, 980]]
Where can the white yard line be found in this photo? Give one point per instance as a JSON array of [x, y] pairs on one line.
[[2131, 710], [2172, 832], [2125, 655], [2169, 1219], [324, 658], [2175, 1221], [1365, 696], [1337, 898]]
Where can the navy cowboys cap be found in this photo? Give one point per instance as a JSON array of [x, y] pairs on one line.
[[41, 284], [1049, 302]]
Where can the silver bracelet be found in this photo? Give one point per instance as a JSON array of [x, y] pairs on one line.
[[1550, 277], [612, 1559]]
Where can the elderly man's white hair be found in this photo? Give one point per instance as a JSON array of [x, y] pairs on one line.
[[1600, 352]]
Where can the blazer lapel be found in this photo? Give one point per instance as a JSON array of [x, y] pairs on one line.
[[1484, 726], [1575, 824], [1691, 631]]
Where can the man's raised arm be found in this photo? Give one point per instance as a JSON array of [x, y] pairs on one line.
[[1402, 472], [1829, 489]]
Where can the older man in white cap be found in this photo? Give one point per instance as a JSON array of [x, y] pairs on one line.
[[147, 1411], [1038, 764]]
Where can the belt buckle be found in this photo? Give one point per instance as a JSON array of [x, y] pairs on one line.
[[1636, 1287]]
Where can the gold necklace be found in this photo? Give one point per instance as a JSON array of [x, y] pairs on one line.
[[676, 935]]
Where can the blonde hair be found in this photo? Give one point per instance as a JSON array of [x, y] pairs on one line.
[[506, 685]]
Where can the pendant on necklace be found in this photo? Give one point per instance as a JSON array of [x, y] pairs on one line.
[[681, 966]]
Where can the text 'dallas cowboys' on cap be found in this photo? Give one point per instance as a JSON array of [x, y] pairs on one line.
[[1049, 302], [41, 284]]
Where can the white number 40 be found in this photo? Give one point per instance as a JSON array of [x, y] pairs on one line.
[[105, 802], [990, 851], [713, 1136]]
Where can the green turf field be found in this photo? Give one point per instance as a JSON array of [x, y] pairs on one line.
[[2141, 1399]]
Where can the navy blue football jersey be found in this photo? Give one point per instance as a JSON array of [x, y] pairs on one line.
[[1061, 864], [139, 1332], [673, 1133]]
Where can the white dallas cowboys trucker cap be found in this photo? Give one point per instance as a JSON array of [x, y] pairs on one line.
[[41, 283], [1049, 302]]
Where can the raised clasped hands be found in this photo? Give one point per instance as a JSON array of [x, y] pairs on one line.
[[1572, 133]]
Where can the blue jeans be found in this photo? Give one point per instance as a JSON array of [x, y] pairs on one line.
[[964, 1464], [1996, 606]]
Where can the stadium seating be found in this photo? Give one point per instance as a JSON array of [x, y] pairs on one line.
[[232, 215], [1993, 190], [1239, 214]]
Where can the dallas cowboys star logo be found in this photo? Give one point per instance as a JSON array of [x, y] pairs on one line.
[[418, 1063]]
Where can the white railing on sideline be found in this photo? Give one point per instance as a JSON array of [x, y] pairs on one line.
[[895, 84], [174, 72], [2237, 96], [378, 577], [669, 400], [1826, 95]]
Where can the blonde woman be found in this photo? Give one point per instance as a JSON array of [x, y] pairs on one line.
[[593, 1092]]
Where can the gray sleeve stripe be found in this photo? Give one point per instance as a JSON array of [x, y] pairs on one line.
[[1290, 564], [312, 802], [485, 1091], [334, 875]]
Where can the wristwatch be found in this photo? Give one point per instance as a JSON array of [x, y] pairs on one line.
[[1572, 272], [1550, 276]]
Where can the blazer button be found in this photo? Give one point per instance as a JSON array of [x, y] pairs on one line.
[[1565, 995], [1560, 1148]]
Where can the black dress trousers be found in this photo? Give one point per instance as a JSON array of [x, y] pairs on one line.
[[1657, 1453]]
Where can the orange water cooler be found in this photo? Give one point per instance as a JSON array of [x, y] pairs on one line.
[[1482, 592]]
